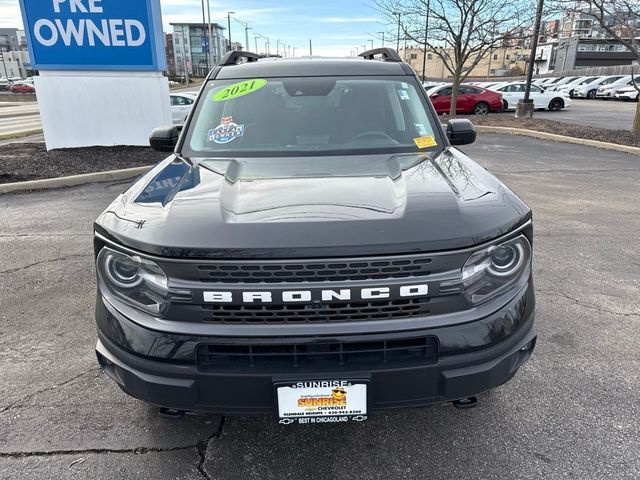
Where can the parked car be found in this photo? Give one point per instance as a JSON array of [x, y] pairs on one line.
[[476, 100], [570, 87], [608, 90], [589, 90], [554, 86], [542, 99], [181, 104], [627, 93], [5, 84], [22, 88], [550, 81]]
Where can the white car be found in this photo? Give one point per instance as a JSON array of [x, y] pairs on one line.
[[608, 89], [564, 81], [181, 104], [589, 90], [542, 99], [570, 87], [628, 93]]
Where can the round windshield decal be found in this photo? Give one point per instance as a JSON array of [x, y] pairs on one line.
[[239, 89]]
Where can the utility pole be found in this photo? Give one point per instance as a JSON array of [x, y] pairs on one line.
[[398, 39], [524, 108], [210, 36], [278, 47], [426, 37], [206, 40], [310, 48], [229, 26]]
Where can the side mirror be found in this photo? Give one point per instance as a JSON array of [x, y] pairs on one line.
[[164, 139], [461, 132]]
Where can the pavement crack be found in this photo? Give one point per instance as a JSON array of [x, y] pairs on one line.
[[59, 259], [202, 447], [97, 451], [560, 293], [26, 398]]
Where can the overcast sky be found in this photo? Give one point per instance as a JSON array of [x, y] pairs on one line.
[[336, 26]]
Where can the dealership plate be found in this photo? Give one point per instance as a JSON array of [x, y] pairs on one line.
[[322, 401]]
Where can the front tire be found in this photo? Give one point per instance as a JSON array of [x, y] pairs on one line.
[[481, 108], [505, 105], [556, 105], [591, 95]]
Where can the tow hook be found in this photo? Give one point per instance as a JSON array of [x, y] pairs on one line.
[[171, 412], [465, 403]]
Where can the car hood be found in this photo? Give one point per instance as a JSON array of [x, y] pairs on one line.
[[371, 205]]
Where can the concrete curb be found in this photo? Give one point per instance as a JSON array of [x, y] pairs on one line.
[[18, 135], [75, 180], [115, 175], [558, 138]]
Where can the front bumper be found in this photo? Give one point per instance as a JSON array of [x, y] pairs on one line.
[[473, 357]]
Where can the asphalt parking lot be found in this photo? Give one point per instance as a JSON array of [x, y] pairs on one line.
[[611, 114], [572, 412]]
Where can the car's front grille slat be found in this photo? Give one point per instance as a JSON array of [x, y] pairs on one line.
[[314, 271], [320, 356], [332, 312]]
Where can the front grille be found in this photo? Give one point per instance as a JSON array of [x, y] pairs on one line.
[[331, 312], [315, 271], [314, 274], [319, 356]]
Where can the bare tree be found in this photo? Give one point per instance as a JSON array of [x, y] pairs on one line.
[[620, 19], [461, 32]]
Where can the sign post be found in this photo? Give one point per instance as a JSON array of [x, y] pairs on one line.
[[101, 69]]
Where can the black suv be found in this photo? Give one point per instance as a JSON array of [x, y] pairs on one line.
[[314, 248]]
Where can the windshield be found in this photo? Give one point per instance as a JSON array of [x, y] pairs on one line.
[[311, 116]]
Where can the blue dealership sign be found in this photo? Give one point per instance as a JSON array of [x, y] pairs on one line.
[[94, 34]]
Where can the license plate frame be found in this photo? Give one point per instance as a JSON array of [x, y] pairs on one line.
[[323, 401]]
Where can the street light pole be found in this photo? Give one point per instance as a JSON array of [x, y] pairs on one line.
[[426, 36], [229, 26], [524, 108], [382, 38], [246, 36], [255, 37]]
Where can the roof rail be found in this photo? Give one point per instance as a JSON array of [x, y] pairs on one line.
[[231, 58], [388, 54]]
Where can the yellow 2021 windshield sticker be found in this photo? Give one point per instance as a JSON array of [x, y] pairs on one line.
[[239, 89], [425, 142]]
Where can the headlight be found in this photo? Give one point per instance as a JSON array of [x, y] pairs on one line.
[[496, 269], [137, 281]]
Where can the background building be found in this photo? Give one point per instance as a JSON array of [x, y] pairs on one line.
[[500, 62], [581, 42], [14, 55], [195, 50]]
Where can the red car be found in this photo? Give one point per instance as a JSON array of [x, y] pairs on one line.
[[22, 88], [471, 99]]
